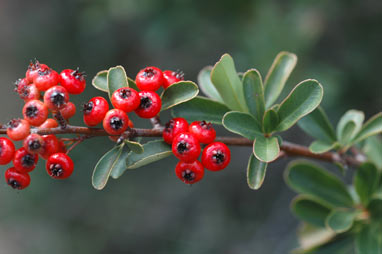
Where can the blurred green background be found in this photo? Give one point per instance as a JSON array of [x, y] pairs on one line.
[[150, 210]]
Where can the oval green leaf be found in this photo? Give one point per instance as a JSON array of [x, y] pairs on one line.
[[366, 181], [270, 121], [178, 93], [369, 239], [134, 146], [349, 125], [372, 148], [319, 146], [254, 93], [100, 81], [266, 149], [256, 172], [243, 124], [341, 220], [310, 210], [302, 100], [205, 84], [116, 78], [372, 127]]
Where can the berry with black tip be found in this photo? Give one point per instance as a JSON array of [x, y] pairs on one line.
[[115, 122], [35, 112], [216, 156], [34, 143], [24, 161], [189, 173], [51, 145], [126, 99], [73, 80], [56, 97], [171, 77], [33, 69], [95, 111], [18, 129], [186, 147], [174, 127], [149, 79], [7, 151], [150, 104], [46, 78], [203, 131], [17, 180], [59, 166]]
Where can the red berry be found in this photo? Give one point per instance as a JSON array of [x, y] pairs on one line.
[[26, 91], [150, 104], [46, 78], [186, 147], [24, 161], [18, 129], [34, 143], [216, 156], [16, 179], [173, 128], [59, 166], [203, 131], [149, 79], [95, 111], [56, 97], [115, 122], [35, 112], [49, 123], [7, 151], [33, 69], [51, 145], [126, 99], [73, 80], [189, 173], [130, 124], [68, 111], [62, 146], [171, 77]]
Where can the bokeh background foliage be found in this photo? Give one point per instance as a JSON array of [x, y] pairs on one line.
[[149, 210]]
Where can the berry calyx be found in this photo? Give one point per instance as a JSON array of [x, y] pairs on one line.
[[17, 180], [173, 128], [35, 112], [149, 79], [150, 104], [7, 151], [27, 91], [18, 129], [216, 156], [51, 145], [56, 97], [126, 99], [46, 78], [33, 68], [34, 143], [186, 147], [95, 111], [189, 173], [59, 166], [171, 77], [24, 161], [73, 80], [68, 111], [115, 122], [203, 131]]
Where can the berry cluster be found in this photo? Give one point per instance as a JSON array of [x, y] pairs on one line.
[[186, 143]]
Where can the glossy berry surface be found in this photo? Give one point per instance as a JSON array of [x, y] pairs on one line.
[[51, 145], [35, 112], [216, 156], [149, 79], [203, 131], [18, 129], [95, 111], [126, 99], [73, 80], [34, 143], [49, 123], [7, 151], [173, 128], [186, 147], [33, 69], [59, 166], [68, 111], [189, 173], [56, 97], [150, 104], [115, 122], [16, 179], [24, 161], [46, 78], [171, 77]]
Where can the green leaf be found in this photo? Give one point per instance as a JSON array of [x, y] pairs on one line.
[[178, 93], [366, 181], [369, 239], [134, 146], [302, 100], [341, 244], [372, 148], [201, 108], [310, 210], [271, 120], [349, 125], [227, 83], [278, 74], [266, 149], [104, 167], [120, 165], [372, 127], [256, 172], [205, 84], [100, 81], [254, 93], [317, 125], [319, 146], [116, 78], [307, 178], [341, 220], [243, 124], [375, 209], [311, 237]]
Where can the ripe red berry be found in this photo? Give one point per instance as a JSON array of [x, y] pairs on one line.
[[51, 145], [26, 91], [150, 104], [203, 131], [24, 161], [186, 147], [173, 128], [73, 80], [35, 112], [16, 179], [59, 166], [49, 123], [95, 111], [7, 151], [149, 79], [189, 173], [33, 69], [46, 78], [61, 147], [56, 97], [18, 129], [216, 156], [171, 77], [68, 111], [34, 143], [115, 122], [126, 99]]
